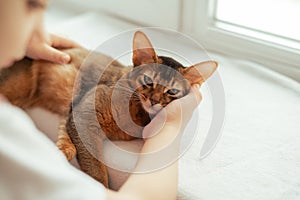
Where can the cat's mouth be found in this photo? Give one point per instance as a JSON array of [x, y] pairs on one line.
[[151, 109]]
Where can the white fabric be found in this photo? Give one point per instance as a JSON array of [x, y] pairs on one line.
[[258, 155], [31, 166]]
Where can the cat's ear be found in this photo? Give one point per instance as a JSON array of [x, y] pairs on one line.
[[143, 52], [200, 72]]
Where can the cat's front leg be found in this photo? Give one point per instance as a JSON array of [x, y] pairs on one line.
[[64, 142], [90, 164], [93, 167]]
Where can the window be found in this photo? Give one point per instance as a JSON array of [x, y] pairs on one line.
[[264, 31], [277, 18]]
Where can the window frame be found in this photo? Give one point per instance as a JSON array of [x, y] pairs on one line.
[[140, 12], [199, 21]]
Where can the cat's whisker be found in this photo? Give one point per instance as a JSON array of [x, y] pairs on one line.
[[123, 88], [130, 91], [143, 96]]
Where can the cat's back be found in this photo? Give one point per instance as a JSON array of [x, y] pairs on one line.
[[15, 81], [38, 83]]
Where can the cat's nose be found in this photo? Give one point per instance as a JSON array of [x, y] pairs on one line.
[[154, 100]]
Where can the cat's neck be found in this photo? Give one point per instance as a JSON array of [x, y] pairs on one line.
[[128, 112], [137, 112], [126, 92]]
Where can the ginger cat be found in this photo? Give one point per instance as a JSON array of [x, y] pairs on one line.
[[141, 90]]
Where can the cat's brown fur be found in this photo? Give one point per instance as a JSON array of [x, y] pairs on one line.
[[42, 84], [39, 83]]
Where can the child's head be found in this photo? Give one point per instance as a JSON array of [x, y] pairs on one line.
[[19, 19]]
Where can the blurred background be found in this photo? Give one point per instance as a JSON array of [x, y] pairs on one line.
[[263, 31], [257, 45]]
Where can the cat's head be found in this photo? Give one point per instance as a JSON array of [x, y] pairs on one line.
[[162, 79]]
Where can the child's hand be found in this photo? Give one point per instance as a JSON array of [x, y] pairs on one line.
[[3, 99], [43, 46], [176, 115]]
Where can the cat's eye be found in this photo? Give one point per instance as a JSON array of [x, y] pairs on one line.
[[148, 80], [173, 91]]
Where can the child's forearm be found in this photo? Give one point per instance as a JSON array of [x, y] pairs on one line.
[[160, 184]]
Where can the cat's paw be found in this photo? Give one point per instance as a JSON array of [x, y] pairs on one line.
[[67, 148]]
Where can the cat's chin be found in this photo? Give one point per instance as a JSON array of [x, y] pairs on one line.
[[153, 110]]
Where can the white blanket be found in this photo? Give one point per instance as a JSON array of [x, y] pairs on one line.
[[258, 155]]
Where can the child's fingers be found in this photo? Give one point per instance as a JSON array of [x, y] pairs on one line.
[[51, 54], [191, 100], [196, 92], [61, 42], [3, 99], [176, 114]]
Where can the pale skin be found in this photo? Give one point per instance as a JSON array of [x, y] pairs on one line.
[[166, 127], [22, 34]]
